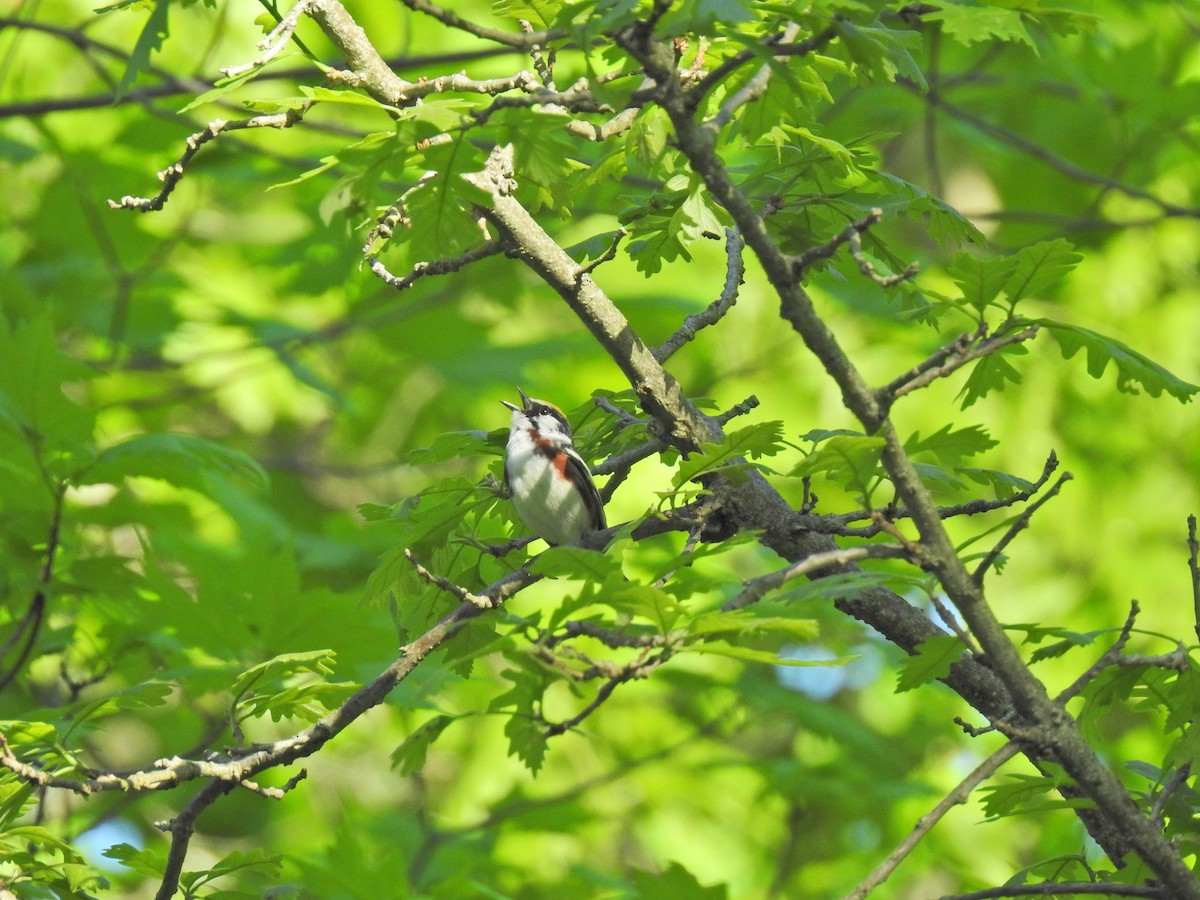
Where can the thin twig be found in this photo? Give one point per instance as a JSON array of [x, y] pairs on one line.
[[31, 623], [958, 346], [436, 267], [635, 670], [867, 268], [1194, 568], [275, 40], [1170, 786], [951, 620], [609, 254], [522, 41], [1017, 526], [954, 360], [1066, 167], [540, 65], [738, 409], [1108, 658], [957, 795], [800, 264], [752, 89], [458, 591], [171, 176], [735, 268]]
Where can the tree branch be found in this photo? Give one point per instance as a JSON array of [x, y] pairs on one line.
[[173, 174], [735, 269]]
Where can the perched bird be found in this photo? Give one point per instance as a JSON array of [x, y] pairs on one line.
[[550, 484]]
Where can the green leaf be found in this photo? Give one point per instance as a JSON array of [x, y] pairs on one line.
[[524, 728], [675, 883], [238, 861], [576, 562], [286, 665], [1023, 793], [146, 695], [852, 461], [1133, 369], [882, 54], [971, 24], [32, 402], [409, 757], [539, 13], [992, 373], [949, 446], [149, 40], [646, 140], [931, 661], [1036, 634], [754, 441], [980, 280], [702, 15], [1040, 266], [1002, 484]]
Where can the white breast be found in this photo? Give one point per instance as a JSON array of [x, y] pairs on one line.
[[546, 503]]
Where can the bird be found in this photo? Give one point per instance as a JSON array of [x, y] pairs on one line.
[[548, 480]]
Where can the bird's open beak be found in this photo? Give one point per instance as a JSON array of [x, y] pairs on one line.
[[524, 402]]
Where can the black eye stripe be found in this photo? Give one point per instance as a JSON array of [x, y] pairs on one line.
[[545, 409]]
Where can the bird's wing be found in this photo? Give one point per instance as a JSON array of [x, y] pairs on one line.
[[577, 470]]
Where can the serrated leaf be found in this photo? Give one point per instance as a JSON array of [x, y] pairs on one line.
[[754, 441], [183, 460], [524, 729], [285, 665], [526, 741], [1133, 368], [980, 280], [881, 54], [950, 446], [409, 757], [676, 883], [1039, 266], [1025, 793], [971, 24], [1002, 484], [646, 140], [649, 602], [992, 373], [932, 660], [150, 862]]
